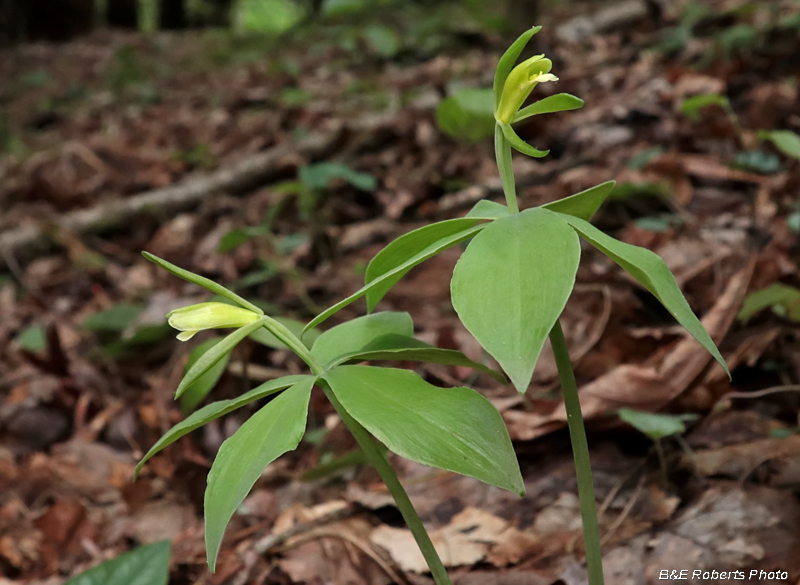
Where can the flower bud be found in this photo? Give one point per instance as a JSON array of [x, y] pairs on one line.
[[520, 83], [189, 320]]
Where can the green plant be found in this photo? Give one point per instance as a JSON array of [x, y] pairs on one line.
[[656, 426], [509, 289], [146, 565]]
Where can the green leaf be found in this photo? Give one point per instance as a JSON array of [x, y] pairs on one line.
[[351, 336], [32, 338], [656, 425], [512, 283], [146, 565], [117, 318], [784, 140], [467, 115], [396, 259], [507, 61], [691, 106], [651, 271], [486, 209], [519, 144], [583, 204], [198, 391], [382, 40], [265, 337], [202, 281], [216, 353], [319, 175], [559, 102], [268, 434], [215, 410], [402, 347], [455, 429], [784, 300], [758, 161]]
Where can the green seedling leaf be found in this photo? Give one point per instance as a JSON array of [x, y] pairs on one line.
[[784, 300], [215, 354], [272, 431], [691, 106], [146, 565], [758, 161], [559, 102], [455, 429], [202, 281], [639, 160], [512, 283], [267, 16], [507, 61], [404, 348], [652, 272], [584, 204], [485, 209], [117, 318], [198, 391], [382, 40], [467, 115], [519, 144], [33, 338], [784, 140], [656, 425], [396, 259], [265, 337], [216, 410], [351, 336], [319, 175]]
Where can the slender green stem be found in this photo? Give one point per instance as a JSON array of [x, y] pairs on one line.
[[580, 450], [399, 494], [502, 152], [292, 342]]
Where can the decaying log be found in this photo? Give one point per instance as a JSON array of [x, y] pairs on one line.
[[185, 194]]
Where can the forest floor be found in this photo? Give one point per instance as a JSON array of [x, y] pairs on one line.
[[94, 132]]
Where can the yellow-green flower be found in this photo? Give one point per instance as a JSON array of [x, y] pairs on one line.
[[189, 320], [520, 83]]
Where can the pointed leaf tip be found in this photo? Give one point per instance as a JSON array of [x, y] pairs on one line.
[[512, 283]]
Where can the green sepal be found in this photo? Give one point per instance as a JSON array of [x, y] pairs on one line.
[[559, 102], [507, 61], [202, 281], [519, 144]]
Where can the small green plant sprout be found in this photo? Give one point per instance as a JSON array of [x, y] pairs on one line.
[[657, 426], [146, 565], [509, 289]]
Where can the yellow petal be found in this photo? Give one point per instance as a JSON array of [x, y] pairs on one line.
[[186, 335]]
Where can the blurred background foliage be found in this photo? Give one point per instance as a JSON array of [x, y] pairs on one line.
[[60, 20]]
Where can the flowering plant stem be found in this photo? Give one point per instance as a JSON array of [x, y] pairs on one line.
[[389, 477], [378, 461], [580, 450]]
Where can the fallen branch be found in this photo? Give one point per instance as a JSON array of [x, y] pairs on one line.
[[182, 195]]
